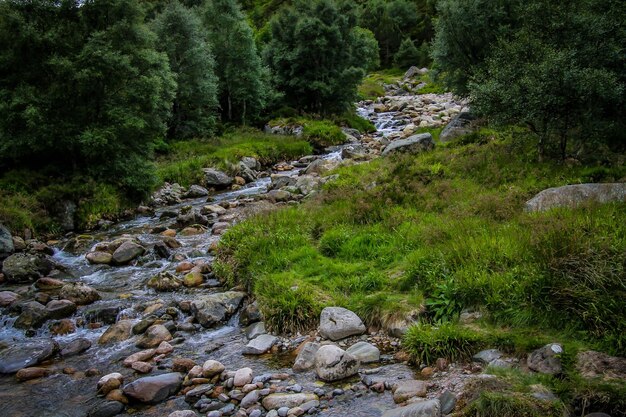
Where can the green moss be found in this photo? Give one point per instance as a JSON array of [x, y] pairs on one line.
[[323, 133], [372, 86]]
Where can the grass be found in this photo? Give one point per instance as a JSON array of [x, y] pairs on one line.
[[372, 86], [390, 237], [184, 160]]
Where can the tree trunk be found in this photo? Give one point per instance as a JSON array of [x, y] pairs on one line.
[[243, 115], [230, 108]]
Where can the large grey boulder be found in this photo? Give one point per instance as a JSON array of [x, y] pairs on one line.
[[154, 389], [575, 195], [412, 145], [216, 179], [460, 125], [6, 242], [27, 267], [126, 252], [338, 323], [196, 191], [364, 352], [306, 357], [24, 354], [546, 360], [212, 309], [430, 408], [333, 363]]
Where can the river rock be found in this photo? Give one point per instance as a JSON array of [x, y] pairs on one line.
[[127, 251], [333, 363], [593, 364], [430, 408], [460, 125], [213, 209], [412, 145], [242, 377], [59, 309], [6, 242], [364, 352], [142, 367], [250, 399], [250, 314], [447, 400], [79, 293], [276, 401], [154, 389], [546, 360], [33, 316], [338, 323], [575, 195], [47, 284], [306, 357], [193, 279], [24, 354], [118, 332], [164, 281], [107, 409], [196, 191], [216, 179], [406, 389], [260, 344], [255, 330], [183, 413], [153, 337], [34, 372], [27, 267], [141, 356], [99, 257], [75, 347], [211, 368], [487, 356], [7, 298], [212, 309]]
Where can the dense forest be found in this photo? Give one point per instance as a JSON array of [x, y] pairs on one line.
[[438, 186]]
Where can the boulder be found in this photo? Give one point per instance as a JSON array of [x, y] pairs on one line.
[[353, 152], [196, 191], [168, 194], [405, 389], [276, 401], [216, 179], [306, 357], [154, 389], [242, 377], [118, 332], [255, 330], [412, 145], [79, 293], [575, 195], [333, 363], [27, 267], [153, 337], [107, 409], [164, 281], [430, 408], [33, 316], [24, 354], [99, 257], [75, 347], [260, 344], [320, 166], [546, 360], [211, 368], [338, 323], [364, 352], [7, 298], [593, 364], [460, 125], [6, 242], [487, 356], [250, 314], [448, 402], [59, 309], [126, 252], [214, 308], [47, 284]]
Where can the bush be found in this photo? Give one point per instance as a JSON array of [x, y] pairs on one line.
[[426, 342], [323, 133]]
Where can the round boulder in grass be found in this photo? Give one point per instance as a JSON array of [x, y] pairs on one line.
[[338, 323]]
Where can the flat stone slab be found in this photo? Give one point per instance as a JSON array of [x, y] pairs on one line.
[[24, 354], [260, 344], [154, 389], [364, 352]]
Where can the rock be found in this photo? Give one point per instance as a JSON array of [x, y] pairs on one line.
[[575, 195], [306, 357], [353, 152], [413, 144], [211, 368], [154, 389], [142, 367], [250, 399], [276, 401], [333, 363], [168, 194], [546, 360], [99, 257], [242, 377], [364, 352], [33, 316], [109, 383], [164, 348], [183, 413], [193, 278], [153, 337], [213, 209], [51, 285], [118, 332], [320, 166], [164, 281], [18, 244], [24, 354], [338, 323], [27, 267], [597, 415], [196, 191], [216, 179], [430, 408], [592, 364], [6, 242], [7, 298], [62, 327], [141, 356], [78, 293], [27, 374], [406, 389], [255, 330], [75, 347], [59, 309], [487, 356], [260, 345], [460, 125], [107, 409], [447, 400], [127, 251], [212, 309], [183, 365], [281, 181]]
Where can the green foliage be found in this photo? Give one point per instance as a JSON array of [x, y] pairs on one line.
[[372, 86], [496, 404], [21, 211], [426, 343], [409, 55], [353, 120], [323, 133], [317, 55], [182, 38]]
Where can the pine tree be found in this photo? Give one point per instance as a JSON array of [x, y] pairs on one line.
[[409, 54]]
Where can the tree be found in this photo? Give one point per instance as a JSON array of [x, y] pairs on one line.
[[182, 38], [317, 56], [242, 77], [409, 55]]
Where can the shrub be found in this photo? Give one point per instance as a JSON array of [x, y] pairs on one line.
[[323, 133], [426, 342]]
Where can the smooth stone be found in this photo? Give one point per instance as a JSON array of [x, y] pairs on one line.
[[7, 298], [364, 352], [338, 323], [75, 347], [211, 368], [78, 293], [212, 309], [448, 402], [250, 399], [59, 309], [487, 356], [27, 374], [306, 357], [126, 252], [154, 389], [406, 389], [33, 316], [99, 257], [260, 345], [430, 408], [278, 400], [107, 409], [242, 377], [413, 144], [153, 337], [118, 332], [255, 330], [574, 195], [333, 363]]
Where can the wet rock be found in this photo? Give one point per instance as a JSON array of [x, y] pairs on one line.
[[250, 399], [183, 365], [164, 281], [216, 179], [242, 377], [62, 327], [412, 145], [164, 348], [7, 298], [154, 336], [276, 401], [306, 357], [487, 356], [24, 354], [99, 257], [593, 364], [196, 191], [546, 360], [338, 323], [141, 356], [364, 352], [213, 209], [154, 389], [27, 374], [107, 409], [6, 242], [320, 166], [161, 250], [193, 231], [59, 309], [50, 285], [333, 363], [406, 389], [211, 368], [353, 152], [260, 344], [142, 367], [168, 194], [117, 395], [193, 278], [118, 332], [447, 400], [27, 267], [33, 316], [75, 347], [250, 314], [574, 195], [430, 408], [212, 309], [255, 330], [78, 293], [106, 314], [183, 413], [462, 124], [126, 252]]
